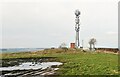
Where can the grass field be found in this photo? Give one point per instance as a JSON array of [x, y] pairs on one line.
[[75, 62]]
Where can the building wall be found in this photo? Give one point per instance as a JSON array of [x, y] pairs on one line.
[[72, 45], [108, 49]]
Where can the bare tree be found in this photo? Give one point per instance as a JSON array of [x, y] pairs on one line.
[[63, 46], [92, 43]]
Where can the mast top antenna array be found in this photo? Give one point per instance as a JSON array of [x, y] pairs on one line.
[[77, 12]]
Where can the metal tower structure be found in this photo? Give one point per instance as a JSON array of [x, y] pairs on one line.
[[77, 26]]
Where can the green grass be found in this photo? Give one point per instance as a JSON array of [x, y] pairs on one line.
[[86, 64], [76, 62]]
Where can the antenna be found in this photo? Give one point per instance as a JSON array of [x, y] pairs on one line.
[[77, 13]]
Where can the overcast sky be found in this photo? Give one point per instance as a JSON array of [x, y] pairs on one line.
[[48, 23]]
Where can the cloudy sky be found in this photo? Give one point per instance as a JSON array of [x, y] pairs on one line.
[[48, 23]]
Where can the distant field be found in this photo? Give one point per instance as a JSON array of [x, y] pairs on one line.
[[75, 62]]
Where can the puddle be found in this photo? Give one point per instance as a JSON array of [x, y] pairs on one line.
[[30, 65]]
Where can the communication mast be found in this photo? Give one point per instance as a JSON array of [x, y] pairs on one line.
[[77, 26]]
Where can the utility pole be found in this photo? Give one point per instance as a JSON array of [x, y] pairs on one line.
[[82, 44]]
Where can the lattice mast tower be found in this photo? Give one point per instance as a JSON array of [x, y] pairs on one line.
[[77, 28]]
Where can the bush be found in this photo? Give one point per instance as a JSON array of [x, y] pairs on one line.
[[65, 48]]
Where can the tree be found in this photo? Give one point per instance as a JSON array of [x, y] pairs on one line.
[[63, 46], [92, 43]]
